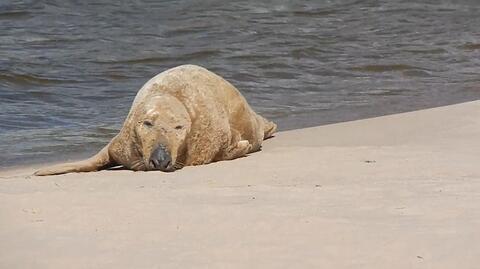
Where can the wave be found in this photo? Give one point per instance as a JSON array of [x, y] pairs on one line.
[[470, 46], [167, 58], [374, 68], [28, 79], [18, 14], [428, 51]]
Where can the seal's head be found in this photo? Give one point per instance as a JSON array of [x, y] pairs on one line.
[[156, 135]]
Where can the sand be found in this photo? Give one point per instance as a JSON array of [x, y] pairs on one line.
[[400, 191]]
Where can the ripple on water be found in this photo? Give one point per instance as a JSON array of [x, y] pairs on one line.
[[31, 79], [417, 73], [314, 13], [470, 46], [428, 51], [281, 74], [10, 15], [379, 68], [198, 55]]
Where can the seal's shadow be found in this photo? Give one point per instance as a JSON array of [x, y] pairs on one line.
[[270, 137]]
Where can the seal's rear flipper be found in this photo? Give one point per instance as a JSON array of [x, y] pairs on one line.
[[99, 161], [270, 129]]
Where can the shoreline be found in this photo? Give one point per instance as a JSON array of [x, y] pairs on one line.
[[81, 156], [396, 191], [293, 122]]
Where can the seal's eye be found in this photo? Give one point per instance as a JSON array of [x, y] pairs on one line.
[[147, 123], [178, 127]]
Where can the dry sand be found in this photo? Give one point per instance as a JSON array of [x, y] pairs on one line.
[[400, 191]]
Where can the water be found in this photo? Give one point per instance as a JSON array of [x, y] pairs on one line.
[[69, 70]]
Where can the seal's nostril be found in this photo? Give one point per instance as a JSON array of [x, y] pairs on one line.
[[160, 159], [166, 164]]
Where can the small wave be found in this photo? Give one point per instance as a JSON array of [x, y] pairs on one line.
[[199, 54], [14, 14], [387, 92], [307, 52], [470, 46], [401, 10], [181, 32], [271, 65], [314, 13], [162, 59], [281, 75], [55, 40], [417, 73], [41, 94], [242, 76], [115, 76], [250, 57], [26, 79], [383, 68], [428, 51], [138, 61]]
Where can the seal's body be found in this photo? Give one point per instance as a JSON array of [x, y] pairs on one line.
[[184, 116]]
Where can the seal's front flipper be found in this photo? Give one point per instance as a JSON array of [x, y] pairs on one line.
[[99, 161], [241, 149]]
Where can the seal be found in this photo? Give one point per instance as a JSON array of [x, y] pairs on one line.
[[184, 116]]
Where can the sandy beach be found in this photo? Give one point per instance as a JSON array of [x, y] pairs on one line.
[[399, 191]]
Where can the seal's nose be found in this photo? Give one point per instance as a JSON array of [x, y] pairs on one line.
[[161, 159]]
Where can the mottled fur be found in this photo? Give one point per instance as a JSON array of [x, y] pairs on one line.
[[198, 115]]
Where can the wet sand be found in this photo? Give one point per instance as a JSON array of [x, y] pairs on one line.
[[400, 191]]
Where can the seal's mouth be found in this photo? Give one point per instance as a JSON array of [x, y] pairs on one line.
[[161, 159]]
